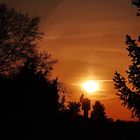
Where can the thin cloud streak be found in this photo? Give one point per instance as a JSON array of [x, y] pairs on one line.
[[77, 84], [80, 36]]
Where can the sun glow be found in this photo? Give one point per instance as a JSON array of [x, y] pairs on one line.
[[90, 86]]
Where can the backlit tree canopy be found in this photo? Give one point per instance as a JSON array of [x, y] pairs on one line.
[[19, 38], [128, 89]]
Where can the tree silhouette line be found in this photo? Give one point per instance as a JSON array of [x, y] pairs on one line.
[[130, 95], [34, 102]]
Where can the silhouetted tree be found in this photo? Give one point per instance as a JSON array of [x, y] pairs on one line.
[[129, 89], [74, 108], [98, 113], [32, 93], [81, 98], [24, 71], [137, 3], [130, 95], [19, 36], [41, 63], [62, 106]]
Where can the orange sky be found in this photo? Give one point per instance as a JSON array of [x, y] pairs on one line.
[[88, 39]]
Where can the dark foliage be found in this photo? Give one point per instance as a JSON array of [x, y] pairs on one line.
[[130, 95], [137, 4], [129, 89], [31, 97], [19, 38], [98, 113], [74, 108]]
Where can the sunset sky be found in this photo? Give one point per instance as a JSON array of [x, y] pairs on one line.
[[88, 39]]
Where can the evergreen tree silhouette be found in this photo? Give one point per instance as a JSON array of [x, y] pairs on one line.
[[130, 96], [74, 108], [98, 113], [128, 89]]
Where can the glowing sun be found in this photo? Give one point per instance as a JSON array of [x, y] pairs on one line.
[[90, 86]]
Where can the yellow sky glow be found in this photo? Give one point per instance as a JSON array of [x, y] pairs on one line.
[[90, 86], [88, 39]]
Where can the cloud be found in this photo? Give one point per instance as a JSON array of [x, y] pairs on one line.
[[79, 35], [43, 8], [102, 97], [106, 80]]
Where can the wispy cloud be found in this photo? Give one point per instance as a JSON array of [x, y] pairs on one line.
[[79, 36], [79, 83]]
